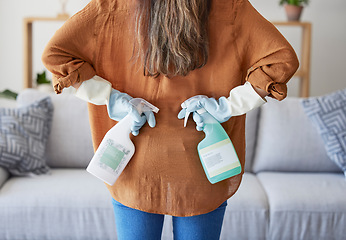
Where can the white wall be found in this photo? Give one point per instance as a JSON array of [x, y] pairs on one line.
[[328, 41], [12, 13], [328, 48]]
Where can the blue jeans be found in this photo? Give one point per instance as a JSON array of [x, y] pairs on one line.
[[132, 224]]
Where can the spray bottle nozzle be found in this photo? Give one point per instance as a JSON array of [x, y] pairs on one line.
[[142, 105], [187, 102]]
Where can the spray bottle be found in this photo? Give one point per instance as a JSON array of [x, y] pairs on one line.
[[116, 148], [216, 151]]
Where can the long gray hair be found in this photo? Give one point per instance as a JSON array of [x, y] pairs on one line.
[[171, 36]]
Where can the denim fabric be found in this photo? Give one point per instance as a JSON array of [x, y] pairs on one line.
[[132, 224]]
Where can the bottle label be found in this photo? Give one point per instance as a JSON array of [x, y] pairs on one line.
[[112, 155], [219, 157]]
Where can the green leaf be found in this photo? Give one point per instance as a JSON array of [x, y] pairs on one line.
[[294, 2], [8, 94], [41, 78]]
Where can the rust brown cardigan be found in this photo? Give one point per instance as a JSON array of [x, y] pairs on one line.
[[165, 174]]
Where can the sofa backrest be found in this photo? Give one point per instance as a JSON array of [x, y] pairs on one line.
[[251, 126], [69, 144], [279, 136], [287, 140]]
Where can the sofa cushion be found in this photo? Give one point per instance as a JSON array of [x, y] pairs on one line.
[[69, 144], [328, 114], [306, 205], [247, 212], [23, 137], [251, 136], [68, 204], [287, 140]]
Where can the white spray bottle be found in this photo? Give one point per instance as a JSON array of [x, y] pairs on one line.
[[116, 148], [216, 151]]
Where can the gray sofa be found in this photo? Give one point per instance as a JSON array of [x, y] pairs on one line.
[[290, 189]]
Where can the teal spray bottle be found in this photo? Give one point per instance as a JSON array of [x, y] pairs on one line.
[[216, 151], [116, 148]]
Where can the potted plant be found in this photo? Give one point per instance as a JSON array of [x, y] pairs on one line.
[[294, 8]]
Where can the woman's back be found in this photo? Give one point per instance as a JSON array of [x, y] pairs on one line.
[[165, 175]]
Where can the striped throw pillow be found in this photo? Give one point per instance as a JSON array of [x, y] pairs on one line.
[[328, 115], [23, 137]]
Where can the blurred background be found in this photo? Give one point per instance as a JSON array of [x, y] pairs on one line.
[[328, 50]]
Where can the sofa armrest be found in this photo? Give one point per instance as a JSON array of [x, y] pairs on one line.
[[4, 174]]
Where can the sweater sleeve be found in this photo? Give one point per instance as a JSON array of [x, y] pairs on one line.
[[69, 53], [270, 59]]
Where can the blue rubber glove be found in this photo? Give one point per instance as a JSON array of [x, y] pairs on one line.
[[119, 106], [219, 109], [99, 91], [241, 100]]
